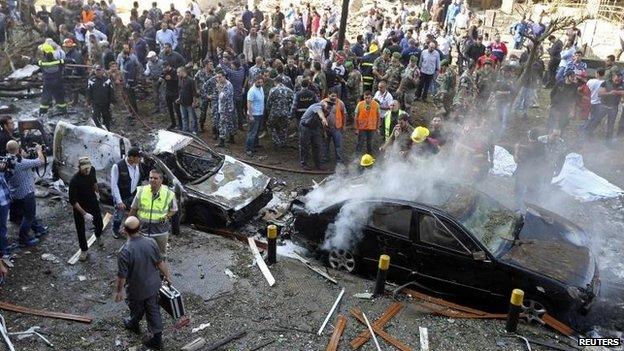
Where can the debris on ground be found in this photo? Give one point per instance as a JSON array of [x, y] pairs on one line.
[[50, 257], [260, 262], [230, 274], [200, 327], [58, 315], [331, 311]]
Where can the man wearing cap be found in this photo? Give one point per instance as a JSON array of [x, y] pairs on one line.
[[401, 135], [153, 71], [52, 80], [155, 204], [100, 95], [84, 196], [380, 66], [125, 177], [446, 86], [393, 73], [140, 265]]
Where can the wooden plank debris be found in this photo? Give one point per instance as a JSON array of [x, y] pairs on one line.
[[337, 334], [358, 315], [557, 325], [424, 339], [364, 336], [442, 302], [261, 264], [331, 311], [107, 218], [315, 269], [58, 315]]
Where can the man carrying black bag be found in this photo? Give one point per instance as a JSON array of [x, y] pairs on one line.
[[139, 263]]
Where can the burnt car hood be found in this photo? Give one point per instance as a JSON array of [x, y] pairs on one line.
[[551, 245], [233, 186]]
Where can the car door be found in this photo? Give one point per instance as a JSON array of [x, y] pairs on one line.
[[448, 259], [388, 229]]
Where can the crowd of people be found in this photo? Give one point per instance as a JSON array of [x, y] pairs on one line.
[[416, 80]]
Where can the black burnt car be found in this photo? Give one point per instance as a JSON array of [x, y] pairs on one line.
[[462, 244]]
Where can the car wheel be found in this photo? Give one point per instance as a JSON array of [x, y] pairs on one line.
[[535, 308], [340, 259]]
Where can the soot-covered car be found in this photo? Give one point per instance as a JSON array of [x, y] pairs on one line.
[[214, 190], [463, 244]]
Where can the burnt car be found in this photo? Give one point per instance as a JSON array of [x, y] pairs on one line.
[[213, 190], [462, 244]]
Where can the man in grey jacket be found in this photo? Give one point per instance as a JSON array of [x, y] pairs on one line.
[[154, 70]]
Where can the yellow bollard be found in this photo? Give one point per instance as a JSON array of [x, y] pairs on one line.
[[515, 308], [382, 272]]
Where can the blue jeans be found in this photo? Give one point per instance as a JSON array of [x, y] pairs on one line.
[[596, 117], [335, 136], [118, 215], [252, 134], [29, 219], [189, 119], [4, 243]]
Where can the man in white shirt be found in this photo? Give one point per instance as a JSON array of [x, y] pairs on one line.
[[316, 45], [124, 179], [384, 98], [596, 102], [429, 66]]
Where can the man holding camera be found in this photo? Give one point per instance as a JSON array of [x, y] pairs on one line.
[[84, 196], [5, 203], [22, 185]]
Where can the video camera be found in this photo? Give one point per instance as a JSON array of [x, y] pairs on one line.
[[7, 163]]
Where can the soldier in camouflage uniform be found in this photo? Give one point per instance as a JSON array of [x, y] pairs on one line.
[[393, 73], [410, 76], [465, 96], [210, 87], [380, 66], [201, 78], [121, 35], [446, 87], [485, 80], [354, 90], [190, 37], [279, 104], [227, 112]]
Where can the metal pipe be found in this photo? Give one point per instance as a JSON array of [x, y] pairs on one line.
[[5, 336], [331, 311], [370, 329]]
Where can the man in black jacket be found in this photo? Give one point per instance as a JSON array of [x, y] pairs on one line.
[[84, 196], [172, 91], [100, 95], [125, 177]]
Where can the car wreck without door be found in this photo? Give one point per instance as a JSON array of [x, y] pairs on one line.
[[213, 190]]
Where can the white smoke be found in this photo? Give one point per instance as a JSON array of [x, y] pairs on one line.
[[346, 231], [395, 177]]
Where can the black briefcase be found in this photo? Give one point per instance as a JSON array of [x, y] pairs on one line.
[[171, 301]]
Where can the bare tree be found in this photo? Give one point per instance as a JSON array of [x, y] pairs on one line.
[[556, 24]]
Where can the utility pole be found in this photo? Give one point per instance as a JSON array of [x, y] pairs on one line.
[[343, 24]]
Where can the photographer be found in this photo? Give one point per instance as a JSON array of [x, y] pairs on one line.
[[22, 185], [5, 203]]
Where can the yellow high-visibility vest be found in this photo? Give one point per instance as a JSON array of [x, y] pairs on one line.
[[154, 209]]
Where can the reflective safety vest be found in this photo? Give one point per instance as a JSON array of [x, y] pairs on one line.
[[389, 123], [52, 71], [154, 209]]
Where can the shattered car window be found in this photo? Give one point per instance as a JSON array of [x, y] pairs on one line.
[[488, 221], [191, 163], [490, 224], [393, 219]]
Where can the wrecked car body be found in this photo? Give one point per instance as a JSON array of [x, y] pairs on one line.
[[463, 244], [213, 190]]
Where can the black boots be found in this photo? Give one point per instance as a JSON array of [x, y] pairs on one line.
[[135, 328], [221, 142], [155, 342]]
